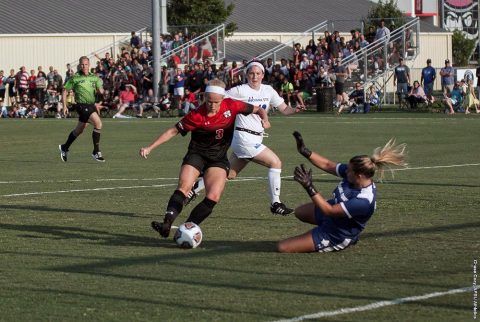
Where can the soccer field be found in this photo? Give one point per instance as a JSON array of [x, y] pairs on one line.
[[76, 242]]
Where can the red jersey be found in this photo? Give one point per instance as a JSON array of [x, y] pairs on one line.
[[212, 136]]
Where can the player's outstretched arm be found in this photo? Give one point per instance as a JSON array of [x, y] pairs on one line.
[[286, 110], [164, 137], [315, 158]]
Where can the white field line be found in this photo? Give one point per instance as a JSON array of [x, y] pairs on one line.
[[172, 184], [377, 305]]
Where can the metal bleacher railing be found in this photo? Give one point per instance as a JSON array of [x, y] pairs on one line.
[[376, 62], [211, 44], [115, 46]]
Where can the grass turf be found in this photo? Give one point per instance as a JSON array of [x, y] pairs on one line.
[[76, 243]]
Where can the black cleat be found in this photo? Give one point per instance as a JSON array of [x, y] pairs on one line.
[[63, 153], [164, 228], [98, 156], [279, 208]]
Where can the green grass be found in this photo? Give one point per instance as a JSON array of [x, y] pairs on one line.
[[90, 255]]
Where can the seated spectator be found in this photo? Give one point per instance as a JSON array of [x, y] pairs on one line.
[[190, 101], [4, 110], [106, 102], [305, 90], [373, 98], [323, 77], [127, 99], [454, 100], [416, 95], [53, 101], [357, 98], [148, 103], [34, 110], [23, 106], [286, 89], [471, 99], [69, 102]]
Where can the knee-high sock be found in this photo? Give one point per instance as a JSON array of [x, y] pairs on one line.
[[96, 140], [201, 211], [71, 137], [274, 183], [175, 206]]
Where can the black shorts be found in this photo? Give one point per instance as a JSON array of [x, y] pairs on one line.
[[202, 163], [338, 88], [2, 93], [84, 111]]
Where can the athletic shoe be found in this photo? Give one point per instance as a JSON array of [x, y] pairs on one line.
[[63, 153], [98, 156], [191, 196], [279, 208], [163, 228]]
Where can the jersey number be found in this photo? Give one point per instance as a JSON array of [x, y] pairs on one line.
[[219, 133]]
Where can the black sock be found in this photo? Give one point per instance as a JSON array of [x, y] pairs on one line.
[[201, 211], [96, 140], [175, 205], [71, 137]]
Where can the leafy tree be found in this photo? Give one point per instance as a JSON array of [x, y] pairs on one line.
[[385, 10], [462, 47], [200, 13]]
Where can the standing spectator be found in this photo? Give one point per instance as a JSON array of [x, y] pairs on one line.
[[447, 74], [69, 73], [428, 79], [135, 41], [41, 86], [401, 78], [85, 86], [32, 86], [471, 99], [22, 81], [340, 75], [382, 31], [3, 83], [12, 88], [57, 81], [50, 76], [370, 36], [179, 88]]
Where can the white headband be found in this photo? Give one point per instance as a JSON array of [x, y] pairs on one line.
[[215, 89], [255, 64]]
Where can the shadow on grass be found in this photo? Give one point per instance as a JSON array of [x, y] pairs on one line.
[[66, 210]]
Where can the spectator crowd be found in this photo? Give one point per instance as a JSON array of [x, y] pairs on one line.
[[128, 78]]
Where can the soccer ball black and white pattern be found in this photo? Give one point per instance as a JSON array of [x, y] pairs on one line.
[[188, 235]]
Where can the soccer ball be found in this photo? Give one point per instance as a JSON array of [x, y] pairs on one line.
[[188, 235]]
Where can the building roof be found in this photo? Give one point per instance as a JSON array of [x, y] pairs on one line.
[[121, 16]]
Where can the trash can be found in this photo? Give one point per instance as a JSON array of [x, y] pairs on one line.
[[325, 96]]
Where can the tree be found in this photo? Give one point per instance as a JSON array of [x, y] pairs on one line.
[[462, 48], [385, 10], [200, 13]]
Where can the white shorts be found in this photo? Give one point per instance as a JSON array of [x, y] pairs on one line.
[[247, 151], [179, 91]]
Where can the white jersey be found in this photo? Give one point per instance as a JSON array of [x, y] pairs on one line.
[[265, 97]]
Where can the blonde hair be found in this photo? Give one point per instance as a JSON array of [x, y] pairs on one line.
[[216, 82], [382, 157]]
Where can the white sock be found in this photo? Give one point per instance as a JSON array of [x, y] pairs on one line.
[[274, 183], [200, 185]]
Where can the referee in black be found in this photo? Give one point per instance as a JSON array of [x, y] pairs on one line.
[[85, 86]]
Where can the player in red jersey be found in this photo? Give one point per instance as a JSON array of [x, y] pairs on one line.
[[212, 130]]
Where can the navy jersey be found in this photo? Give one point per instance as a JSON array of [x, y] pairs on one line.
[[212, 135], [337, 233]]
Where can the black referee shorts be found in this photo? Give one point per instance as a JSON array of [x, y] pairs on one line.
[[202, 163], [84, 111]]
